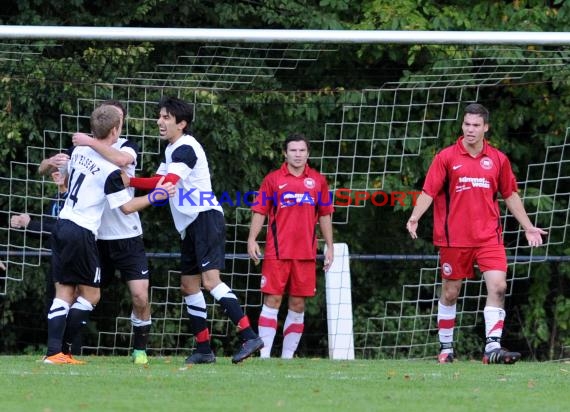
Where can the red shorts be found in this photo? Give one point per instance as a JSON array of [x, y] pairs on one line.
[[295, 277], [457, 262]]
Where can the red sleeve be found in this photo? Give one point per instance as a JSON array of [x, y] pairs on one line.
[[325, 202], [507, 179], [149, 183], [436, 176], [264, 200], [171, 178]]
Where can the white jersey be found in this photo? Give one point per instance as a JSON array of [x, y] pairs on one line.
[[186, 158], [93, 182], [114, 223]]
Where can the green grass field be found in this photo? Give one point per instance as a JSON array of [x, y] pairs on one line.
[[115, 384]]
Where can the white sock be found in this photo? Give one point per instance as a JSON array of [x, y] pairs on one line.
[[136, 322], [292, 331], [494, 323], [59, 307], [446, 325], [267, 328]]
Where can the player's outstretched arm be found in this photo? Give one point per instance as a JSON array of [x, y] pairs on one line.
[[161, 193], [533, 234], [150, 183]]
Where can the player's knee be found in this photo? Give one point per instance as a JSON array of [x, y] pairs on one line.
[[209, 285], [140, 299], [190, 284], [273, 301], [450, 292], [297, 307], [498, 288], [297, 304], [187, 289], [211, 279], [500, 292], [210, 282]]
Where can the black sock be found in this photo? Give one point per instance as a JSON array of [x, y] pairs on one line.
[[141, 334], [56, 329], [76, 320]]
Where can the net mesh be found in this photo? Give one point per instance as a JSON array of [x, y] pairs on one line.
[[376, 135]]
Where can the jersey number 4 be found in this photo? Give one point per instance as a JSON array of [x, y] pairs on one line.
[[75, 185]]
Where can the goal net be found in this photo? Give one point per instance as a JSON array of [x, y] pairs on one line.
[[364, 147]]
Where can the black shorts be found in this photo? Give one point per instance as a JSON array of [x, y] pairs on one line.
[[125, 255], [204, 246], [75, 260]]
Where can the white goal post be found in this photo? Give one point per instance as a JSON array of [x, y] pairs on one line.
[[338, 292]]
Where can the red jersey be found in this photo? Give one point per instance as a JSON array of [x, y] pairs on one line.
[[293, 205], [464, 189]]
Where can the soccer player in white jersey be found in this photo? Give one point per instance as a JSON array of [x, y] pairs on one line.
[[120, 240], [201, 226], [93, 182]]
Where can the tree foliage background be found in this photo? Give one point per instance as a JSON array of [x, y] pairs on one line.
[[243, 138]]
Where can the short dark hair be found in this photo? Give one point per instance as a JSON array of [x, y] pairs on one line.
[[179, 109], [296, 137], [478, 109]]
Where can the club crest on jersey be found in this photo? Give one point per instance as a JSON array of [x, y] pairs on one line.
[[486, 163], [446, 269], [309, 183]]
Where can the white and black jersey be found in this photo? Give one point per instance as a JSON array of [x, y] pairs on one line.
[[186, 158], [93, 182], [114, 223]]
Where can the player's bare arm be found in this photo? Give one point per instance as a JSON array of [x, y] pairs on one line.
[[117, 157], [52, 164], [253, 249], [325, 225], [533, 234], [423, 202], [126, 178]]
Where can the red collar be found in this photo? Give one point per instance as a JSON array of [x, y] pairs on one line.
[[464, 151], [286, 171]]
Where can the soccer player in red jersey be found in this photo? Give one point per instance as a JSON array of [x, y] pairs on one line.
[[294, 198], [462, 183]]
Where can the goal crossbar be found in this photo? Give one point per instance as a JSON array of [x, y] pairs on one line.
[[283, 36]]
